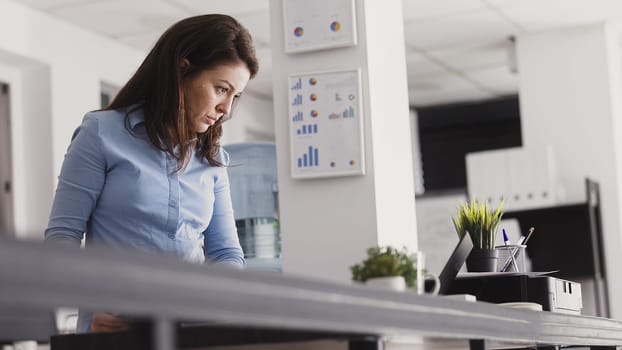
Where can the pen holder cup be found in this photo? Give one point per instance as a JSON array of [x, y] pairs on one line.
[[512, 258]]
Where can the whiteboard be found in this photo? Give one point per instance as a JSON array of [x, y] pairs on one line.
[[318, 24], [326, 124]]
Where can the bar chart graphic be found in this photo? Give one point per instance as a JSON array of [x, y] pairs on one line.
[[297, 117], [297, 85], [346, 113], [326, 115], [309, 159], [307, 129], [297, 100]]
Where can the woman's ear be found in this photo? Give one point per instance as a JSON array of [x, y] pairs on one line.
[[184, 64]]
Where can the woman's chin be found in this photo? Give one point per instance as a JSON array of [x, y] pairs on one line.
[[202, 128]]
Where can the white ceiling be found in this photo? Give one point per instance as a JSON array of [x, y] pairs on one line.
[[457, 50]]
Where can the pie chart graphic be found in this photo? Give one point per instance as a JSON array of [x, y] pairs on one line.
[[335, 26]]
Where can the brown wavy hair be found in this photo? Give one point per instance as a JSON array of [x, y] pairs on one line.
[[206, 41]]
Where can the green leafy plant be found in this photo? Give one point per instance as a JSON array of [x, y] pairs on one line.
[[480, 222], [386, 262]]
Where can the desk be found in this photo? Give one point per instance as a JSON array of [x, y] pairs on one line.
[[37, 277]]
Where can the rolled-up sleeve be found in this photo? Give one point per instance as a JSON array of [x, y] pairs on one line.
[[79, 186], [221, 237]]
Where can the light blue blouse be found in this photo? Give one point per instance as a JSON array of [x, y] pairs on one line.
[[121, 191]]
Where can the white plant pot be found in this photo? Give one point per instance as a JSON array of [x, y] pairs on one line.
[[397, 283]]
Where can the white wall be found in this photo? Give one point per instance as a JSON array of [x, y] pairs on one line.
[[570, 97], [32, 154], [55, 70]]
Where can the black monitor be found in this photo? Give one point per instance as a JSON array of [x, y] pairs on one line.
[[454, 263]]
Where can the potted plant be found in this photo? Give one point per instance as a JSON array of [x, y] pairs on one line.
[[479, 221], [388, 267]]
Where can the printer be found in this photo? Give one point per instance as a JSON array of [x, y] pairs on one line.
[[554, 294]]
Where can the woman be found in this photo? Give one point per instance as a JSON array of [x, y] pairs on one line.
[[147, 172]]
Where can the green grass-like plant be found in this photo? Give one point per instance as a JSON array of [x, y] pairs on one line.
[[480, 222], [386, 262]]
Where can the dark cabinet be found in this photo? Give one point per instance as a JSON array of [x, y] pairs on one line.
[[568, 238]]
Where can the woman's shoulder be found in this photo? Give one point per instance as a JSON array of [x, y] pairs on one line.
[[114, 118], [102, 119], [105, 118], [222, 156]]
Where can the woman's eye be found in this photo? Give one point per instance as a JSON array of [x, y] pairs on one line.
[[222, 90]]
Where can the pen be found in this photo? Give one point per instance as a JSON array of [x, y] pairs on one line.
[[508, 261], [522, 241], [531, 229], [510, 251]]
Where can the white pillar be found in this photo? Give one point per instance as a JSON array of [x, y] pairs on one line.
[[327, 224], [570, 97]]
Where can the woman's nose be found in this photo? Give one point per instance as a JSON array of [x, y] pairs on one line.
[[225, 106]]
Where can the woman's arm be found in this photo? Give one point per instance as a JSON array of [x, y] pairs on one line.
[[79, 186], [221, 237]]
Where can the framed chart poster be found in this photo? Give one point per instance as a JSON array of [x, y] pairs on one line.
[[318, 24], [326, 124]]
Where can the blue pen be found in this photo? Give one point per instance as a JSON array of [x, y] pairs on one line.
[[505, 241]]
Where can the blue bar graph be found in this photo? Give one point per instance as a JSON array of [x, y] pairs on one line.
[[297, 117], [297, 100], [349, 112], [346, 113], [309, 159], [297, 85], [317, 159], [307, 129]]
